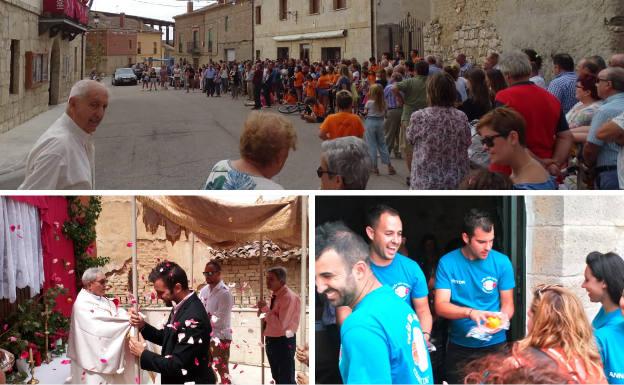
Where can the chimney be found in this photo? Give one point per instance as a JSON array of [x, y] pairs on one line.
[[122, 20], [189, 6]]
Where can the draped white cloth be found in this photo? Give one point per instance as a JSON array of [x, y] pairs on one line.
[[21, 255], [98, 347]]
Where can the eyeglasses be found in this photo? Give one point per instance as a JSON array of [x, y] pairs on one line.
[[101, 282], [320, 172], [209, 273], [489, 140], [603, 80]]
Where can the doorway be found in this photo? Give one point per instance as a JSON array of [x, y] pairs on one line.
[[442, 217], [55, 74]]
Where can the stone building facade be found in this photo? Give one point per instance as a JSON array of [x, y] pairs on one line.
[[222, 31], [477, 27], [324, 29], [36, 70], [114, 229]]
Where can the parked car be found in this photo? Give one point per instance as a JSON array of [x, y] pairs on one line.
[[124, 76]]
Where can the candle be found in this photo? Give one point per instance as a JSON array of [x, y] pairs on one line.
[[31, 355]]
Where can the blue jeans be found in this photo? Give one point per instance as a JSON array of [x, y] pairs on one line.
[[375, 138], [607, 180]]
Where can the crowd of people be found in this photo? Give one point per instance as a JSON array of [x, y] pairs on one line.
[[492, 126], [444, 316]]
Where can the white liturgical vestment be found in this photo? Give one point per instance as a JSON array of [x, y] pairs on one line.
[[98, 347]]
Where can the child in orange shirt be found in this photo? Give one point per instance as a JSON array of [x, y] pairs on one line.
[[291, 98], [315, 112], [342, 123], [298, 83], [310, 86]]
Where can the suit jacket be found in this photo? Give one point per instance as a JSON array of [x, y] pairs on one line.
[[185, 344]]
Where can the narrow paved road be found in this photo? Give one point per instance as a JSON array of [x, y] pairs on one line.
[[169, 140]]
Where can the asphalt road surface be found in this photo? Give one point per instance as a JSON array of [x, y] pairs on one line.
[[170, 139]]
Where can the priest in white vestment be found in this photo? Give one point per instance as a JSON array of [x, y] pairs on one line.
[[97, 336]]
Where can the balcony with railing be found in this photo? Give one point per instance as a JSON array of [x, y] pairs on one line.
[[67, 17], [193, 48]]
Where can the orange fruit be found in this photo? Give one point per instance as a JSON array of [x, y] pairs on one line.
[[493, 322]]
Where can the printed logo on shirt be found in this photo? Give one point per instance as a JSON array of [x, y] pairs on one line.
[[401, 289], [458, 281], [489, 284], [619, 376], [419, 350]]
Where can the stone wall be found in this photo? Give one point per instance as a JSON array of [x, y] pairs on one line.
[[20, 22], [356, 18], [475, 27], [562, 230]]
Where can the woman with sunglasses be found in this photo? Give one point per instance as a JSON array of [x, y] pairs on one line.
[[580, 116], [604, 282], [503, 134], [558, 328]]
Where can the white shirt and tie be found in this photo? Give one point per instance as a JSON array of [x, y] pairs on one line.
[[218, 303], [63, 158]]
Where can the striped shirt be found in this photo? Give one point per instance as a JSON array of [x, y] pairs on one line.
[[391, 100], [563, 86]]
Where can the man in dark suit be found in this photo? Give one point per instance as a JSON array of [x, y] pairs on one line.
[[185, 339]]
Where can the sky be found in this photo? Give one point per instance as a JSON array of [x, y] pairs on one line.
[[156, 9]]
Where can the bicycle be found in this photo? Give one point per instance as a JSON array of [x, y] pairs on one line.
[[292, 108]]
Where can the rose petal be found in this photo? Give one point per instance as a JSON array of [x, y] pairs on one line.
[[24, 355], [184, 371], [12, 228], [196, 361], [65, 362], [12, 339], [103, 360], [129, 244]]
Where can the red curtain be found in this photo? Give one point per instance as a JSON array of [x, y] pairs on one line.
[[58, 251]]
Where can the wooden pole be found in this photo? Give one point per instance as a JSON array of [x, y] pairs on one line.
[[304, 265], [135, 276]]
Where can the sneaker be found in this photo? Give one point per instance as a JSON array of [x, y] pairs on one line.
[[391, 170]]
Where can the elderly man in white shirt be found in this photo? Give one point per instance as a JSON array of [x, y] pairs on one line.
[[63, 158], [218, 302], [97, 336]]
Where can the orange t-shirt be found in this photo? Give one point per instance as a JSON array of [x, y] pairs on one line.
[[335, 78], [310, 88], [319, 110], [324, 82], [290, 99], [298, 79], [342, 124], [372, 74]]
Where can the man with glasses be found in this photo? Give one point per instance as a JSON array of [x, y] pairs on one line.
[[97, 336], [218, 302], [597, 153], [472, 284], [548, 136], [345, 164]]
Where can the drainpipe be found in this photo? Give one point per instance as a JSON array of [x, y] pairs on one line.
[[253, 31], [373, 28]]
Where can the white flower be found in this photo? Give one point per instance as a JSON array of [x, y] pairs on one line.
[[190, 340], [181, 336], [184, 371]]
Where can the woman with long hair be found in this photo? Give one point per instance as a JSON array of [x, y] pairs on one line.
[[478, 102], [604, 282], [496, 82], [558, 327], [375, 110]]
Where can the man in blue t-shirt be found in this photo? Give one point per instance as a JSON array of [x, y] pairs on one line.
[[385, 230], [381, 340], [473, 283]]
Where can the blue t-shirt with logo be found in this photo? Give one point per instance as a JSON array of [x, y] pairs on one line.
[[609, 333], [474, 284], [404, 276], [382, 343]]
